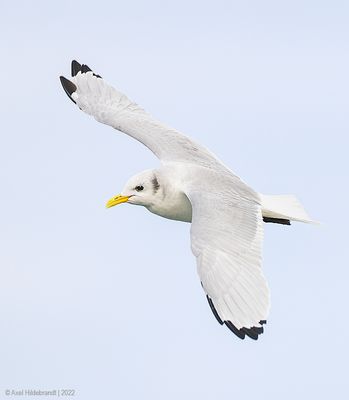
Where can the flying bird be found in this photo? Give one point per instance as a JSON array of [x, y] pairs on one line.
[[192, 185]]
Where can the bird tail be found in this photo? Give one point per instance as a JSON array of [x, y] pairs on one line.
[[282, 209]]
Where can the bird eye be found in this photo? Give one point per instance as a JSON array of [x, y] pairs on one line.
[[139, 188]]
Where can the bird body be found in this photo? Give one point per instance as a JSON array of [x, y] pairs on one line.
[[173, 180], [192, 185]]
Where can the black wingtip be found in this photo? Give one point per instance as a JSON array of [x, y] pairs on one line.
[[75, 67], [238, 332], [250, 333], [85, 68], [258, 329], [68, 87], [213, 309], [281, 221]]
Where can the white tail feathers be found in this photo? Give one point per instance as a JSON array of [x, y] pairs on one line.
[[284, 207]]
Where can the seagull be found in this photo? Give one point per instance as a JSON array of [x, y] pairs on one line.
[[193, 185]]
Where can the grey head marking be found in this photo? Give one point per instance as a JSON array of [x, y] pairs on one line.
[[155, 183]]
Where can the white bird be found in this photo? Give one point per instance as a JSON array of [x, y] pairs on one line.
[[192, 185]]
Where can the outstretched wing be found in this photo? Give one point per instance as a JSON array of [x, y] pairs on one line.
[[108, 106], [226, 238]]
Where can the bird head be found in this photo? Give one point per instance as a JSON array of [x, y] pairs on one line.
[[140, 190]]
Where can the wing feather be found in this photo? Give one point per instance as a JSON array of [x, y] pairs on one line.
[[226, 236], [111, 107]]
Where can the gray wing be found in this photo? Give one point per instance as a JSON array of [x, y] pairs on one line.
[[108, 106], [226, 238]]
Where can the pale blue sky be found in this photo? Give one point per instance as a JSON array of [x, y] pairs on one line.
[[108, 302]]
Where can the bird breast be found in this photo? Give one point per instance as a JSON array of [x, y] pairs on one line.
[[174, 205]]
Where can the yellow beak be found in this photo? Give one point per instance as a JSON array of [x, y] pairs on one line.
[[117, 200]]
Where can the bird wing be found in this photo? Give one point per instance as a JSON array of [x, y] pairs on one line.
[[109, 106], [226, 238]]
